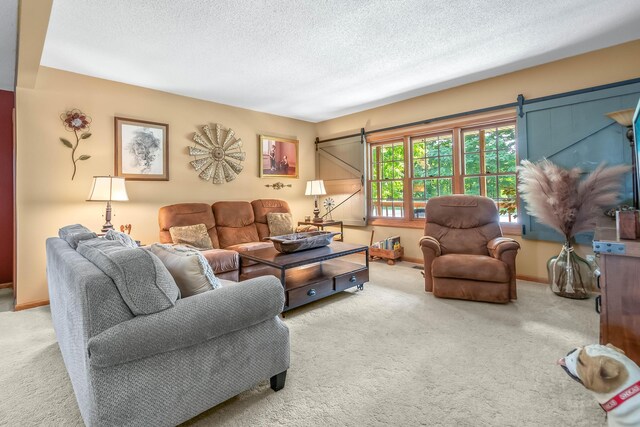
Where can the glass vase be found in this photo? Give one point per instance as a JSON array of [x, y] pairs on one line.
[[570, 275]]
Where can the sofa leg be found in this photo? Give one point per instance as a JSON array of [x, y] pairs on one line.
[[277, 381]]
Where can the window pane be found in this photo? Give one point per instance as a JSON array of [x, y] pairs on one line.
[[374, 190], [506, 185], [374, 170], [492, 187], [507, 161], [489, 139], [433, 167], [431, 188], [387, 153], [418, 209], [446, 166], [419, 170], [418, 190], [398, 190], [374, 155], [398, 152], [471, 164], [507, 138], [432, 147], [398, 170], [491, 162], [445, 187], [418, 150], [387, 170], [472, 186], [387, 190], [472, 142], [446, 146]]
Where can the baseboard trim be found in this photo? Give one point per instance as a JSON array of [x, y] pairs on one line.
[[413, 260], [6, 285], [32, 304], [532, 279]]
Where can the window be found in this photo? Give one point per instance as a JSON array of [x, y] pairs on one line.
[[411, 166], [432, 170], [489, 159]]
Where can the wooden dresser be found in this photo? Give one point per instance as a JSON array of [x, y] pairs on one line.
[[620, 286]]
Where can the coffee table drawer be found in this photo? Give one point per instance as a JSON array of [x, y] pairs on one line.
[[347, 280], [310, 293]]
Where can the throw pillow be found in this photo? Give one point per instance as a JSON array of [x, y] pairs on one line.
[[194, 235], [74, 234], [142, 280], [123, 238], [279, 223], [189, 268]]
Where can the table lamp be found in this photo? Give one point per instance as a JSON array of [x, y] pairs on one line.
[[625, 118], [315, 188], [108, 189]]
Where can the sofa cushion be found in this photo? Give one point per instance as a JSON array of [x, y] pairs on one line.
[[261, 208], [186, 214], [222, 260], [195, 235], [75, 233], [234, 223], [470, 267], [123, 238], [279, 223], [143, 281], [188, 267]]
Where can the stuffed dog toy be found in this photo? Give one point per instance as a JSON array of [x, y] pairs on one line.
[[613, 378]]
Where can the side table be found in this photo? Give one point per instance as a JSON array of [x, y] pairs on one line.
[[323, 224]]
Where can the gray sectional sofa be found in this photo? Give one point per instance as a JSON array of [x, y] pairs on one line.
[[164, 368]]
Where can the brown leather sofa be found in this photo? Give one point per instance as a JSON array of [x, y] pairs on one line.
[[465, 255], [233, 226]]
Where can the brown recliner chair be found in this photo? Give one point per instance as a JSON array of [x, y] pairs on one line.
[[465, 255]]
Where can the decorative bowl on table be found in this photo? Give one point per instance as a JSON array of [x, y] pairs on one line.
[[296, 242]]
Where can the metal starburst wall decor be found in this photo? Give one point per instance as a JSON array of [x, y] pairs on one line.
[[218, 155], [76, 121]]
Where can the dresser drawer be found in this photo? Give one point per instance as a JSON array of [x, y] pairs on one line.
[[305, 294], [348, 280]]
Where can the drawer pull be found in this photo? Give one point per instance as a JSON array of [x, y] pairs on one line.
[[598, 304], [311, 292], [352, 279]]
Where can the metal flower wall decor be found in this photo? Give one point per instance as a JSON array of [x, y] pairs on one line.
[[218, 155], [76, 121]]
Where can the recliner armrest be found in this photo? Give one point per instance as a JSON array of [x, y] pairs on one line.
[[428, 242], [499, 245], [193, 320]]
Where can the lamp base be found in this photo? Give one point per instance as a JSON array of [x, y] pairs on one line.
[[106, 227]]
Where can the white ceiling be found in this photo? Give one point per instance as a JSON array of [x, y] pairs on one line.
[[319, 59], [8, 38]]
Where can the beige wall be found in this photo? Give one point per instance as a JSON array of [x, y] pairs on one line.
[[47, 198], [614, 64]]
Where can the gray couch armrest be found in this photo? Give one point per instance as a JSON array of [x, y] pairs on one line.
[[193, 320]]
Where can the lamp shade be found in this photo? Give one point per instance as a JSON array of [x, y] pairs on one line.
[[107, 189], [623, 117], [315, 188]]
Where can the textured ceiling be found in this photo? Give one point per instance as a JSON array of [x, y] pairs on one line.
[[8, 36], [314, 59]]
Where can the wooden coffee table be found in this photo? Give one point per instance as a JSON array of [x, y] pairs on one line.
[[316, 273]]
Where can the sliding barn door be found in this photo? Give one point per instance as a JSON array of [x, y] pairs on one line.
[[575, 131], [341, 164]]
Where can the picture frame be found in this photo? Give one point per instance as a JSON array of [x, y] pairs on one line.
[[141, 150], [279, 157]]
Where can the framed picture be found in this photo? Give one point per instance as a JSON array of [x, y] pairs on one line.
[[278, 157], [142, 150]]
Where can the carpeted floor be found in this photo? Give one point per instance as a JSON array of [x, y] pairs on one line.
[[390, 355]]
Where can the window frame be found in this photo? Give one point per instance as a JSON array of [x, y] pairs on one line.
[[454, 126]]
